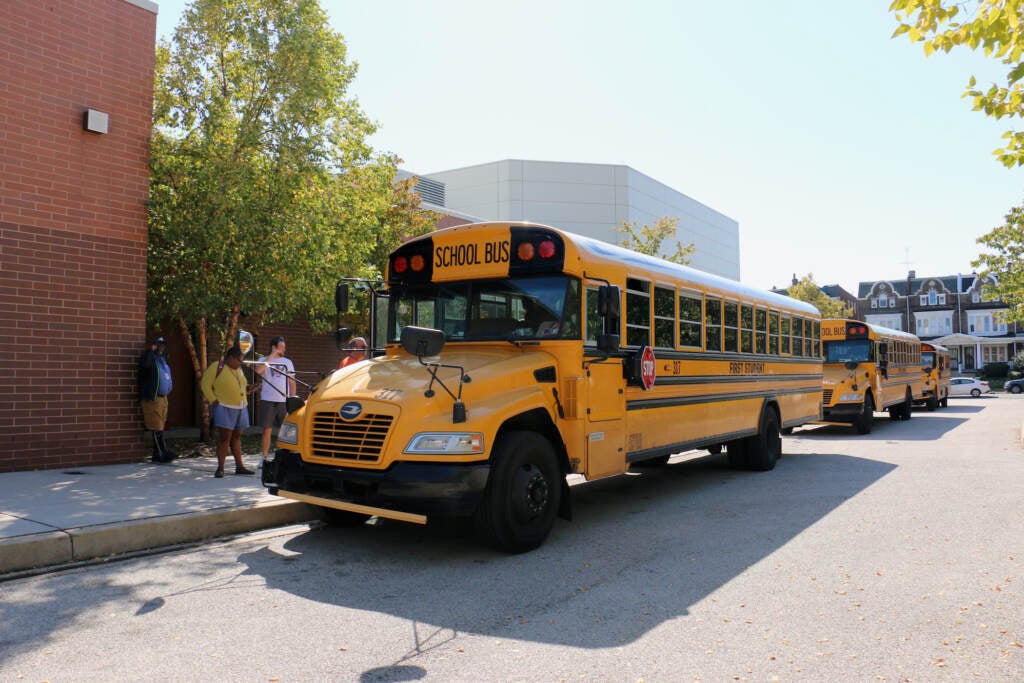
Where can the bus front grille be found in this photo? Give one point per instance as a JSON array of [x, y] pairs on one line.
[[826, 396], [361, 439]]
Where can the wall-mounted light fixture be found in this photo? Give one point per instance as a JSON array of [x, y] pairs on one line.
[[95, 121]]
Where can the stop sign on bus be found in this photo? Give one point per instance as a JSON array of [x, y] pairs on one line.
[[648, 372]]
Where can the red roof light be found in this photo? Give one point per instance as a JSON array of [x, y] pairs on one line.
[[546, 249], [401, 264]]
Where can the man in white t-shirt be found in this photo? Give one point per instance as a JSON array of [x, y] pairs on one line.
[[278, 384]]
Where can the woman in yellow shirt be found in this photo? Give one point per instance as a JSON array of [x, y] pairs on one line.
[[225, 388]]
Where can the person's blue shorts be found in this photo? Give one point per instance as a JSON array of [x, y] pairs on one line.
[[230, 418]]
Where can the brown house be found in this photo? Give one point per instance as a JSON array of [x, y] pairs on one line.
[[76, 101]]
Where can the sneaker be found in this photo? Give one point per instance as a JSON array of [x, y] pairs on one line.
[[219, 474], [243, 470]]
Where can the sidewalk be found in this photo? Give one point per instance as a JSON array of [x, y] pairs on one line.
[[53, 517]]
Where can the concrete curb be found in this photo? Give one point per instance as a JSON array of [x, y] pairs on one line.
[[79, 544]]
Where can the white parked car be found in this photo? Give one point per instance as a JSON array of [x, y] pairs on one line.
[[967, 386]]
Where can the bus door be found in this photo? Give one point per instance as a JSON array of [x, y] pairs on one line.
[[606, 423]]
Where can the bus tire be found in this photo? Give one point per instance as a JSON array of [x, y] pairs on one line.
[[522, 494], [907, 411], [765, 447], [867, 416], [737, 453], [944, 401], [343, 519], [932, 404]]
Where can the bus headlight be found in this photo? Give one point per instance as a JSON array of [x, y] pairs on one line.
[[446, 443], [289, 433], [851, 398]]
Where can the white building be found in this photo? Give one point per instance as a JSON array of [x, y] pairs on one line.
[[591, 200]]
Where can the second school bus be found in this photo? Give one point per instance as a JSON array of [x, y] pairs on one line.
[[869, 368], [514, 355]]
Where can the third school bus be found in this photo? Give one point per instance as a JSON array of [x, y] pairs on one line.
[[935, 366], [869, 368], [512, 355]]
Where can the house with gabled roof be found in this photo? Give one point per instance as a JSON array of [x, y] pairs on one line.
[[949, 310]]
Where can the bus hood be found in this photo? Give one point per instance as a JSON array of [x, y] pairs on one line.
[[403, 380]]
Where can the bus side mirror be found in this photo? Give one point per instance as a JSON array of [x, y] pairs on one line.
[[608, 299], [608, 343], [341, 297], [422, 341]]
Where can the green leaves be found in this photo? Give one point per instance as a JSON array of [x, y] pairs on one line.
[[648, 239], [263, 188], [992, 25], [810, 292]]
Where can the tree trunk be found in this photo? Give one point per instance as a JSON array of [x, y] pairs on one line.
[[199, 364]]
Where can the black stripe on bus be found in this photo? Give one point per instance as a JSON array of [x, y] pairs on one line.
[[671, 449], [654, 403], [665, 380], [666, 354]]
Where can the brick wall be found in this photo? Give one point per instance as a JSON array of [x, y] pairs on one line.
[[72, 229]]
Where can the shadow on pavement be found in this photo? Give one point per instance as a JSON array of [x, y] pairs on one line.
[[599, 581]]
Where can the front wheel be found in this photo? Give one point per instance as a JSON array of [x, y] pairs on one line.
[[522, 494], [1015, 389], [867, 415]]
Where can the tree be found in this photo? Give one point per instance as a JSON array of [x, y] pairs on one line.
[[807, 290], [993, 25], [263, 189], [1004, 262], [648, 239]]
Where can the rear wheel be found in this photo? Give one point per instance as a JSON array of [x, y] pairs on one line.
[[737, 452], [867, 416], [932, 403], [907, 411], [975, 393], [765, 447], [522, 494]]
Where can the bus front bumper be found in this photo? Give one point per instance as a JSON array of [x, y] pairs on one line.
[[407, 490], [842, 412]]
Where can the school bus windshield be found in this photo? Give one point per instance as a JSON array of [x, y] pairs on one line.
[[519, 308], [842, 351]]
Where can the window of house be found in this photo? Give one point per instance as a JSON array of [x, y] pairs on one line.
[[994, 354], [690, 327], [892, 302], [664, 318], [713, 324], [874, 303], [924, 299], [942, 299], [638, 312]]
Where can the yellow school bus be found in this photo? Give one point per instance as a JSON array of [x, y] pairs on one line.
[[515, 354], [869, 368], [935, 366]]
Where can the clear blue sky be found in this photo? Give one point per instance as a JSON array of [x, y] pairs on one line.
[[840, 152]]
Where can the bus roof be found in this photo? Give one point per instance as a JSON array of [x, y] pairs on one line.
[[651, 266], [877, 329]]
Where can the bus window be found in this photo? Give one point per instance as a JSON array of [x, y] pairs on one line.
[[760, 331], [713, 324], [595, 325], [664, 318], [798, 336], [773, 332], [857, 350], [638, 312], [747, 328], [690, 331], [731, 325], [817, 338], [785, 345]]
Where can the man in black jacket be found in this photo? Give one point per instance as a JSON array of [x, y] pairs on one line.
[[154, 386]]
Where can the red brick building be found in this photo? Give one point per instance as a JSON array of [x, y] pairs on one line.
[[73, 188]]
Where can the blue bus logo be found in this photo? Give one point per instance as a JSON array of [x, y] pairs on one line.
[[351, 410]]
